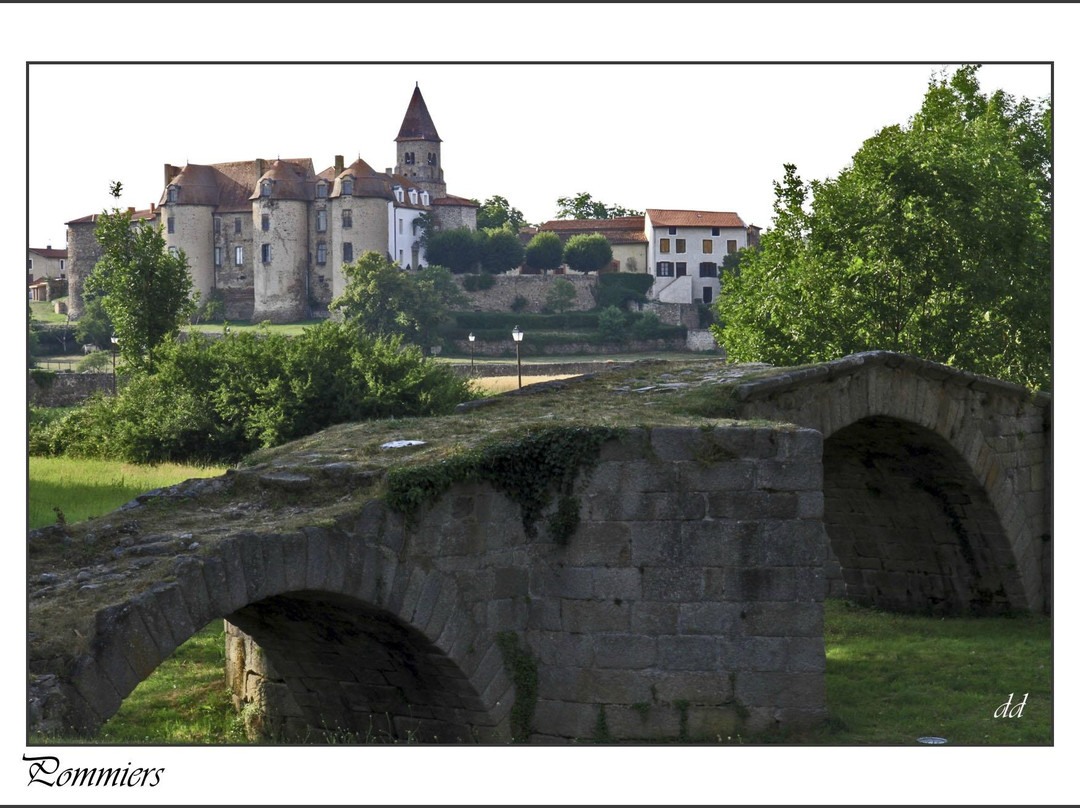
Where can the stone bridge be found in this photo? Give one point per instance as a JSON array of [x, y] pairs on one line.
[[668, 586]]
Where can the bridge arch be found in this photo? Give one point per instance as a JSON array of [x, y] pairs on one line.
[[971, 450], [392, 639]]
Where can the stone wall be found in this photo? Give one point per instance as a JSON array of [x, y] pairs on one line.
[[686, 606], [68, 389], [534, 288], [700, 339]]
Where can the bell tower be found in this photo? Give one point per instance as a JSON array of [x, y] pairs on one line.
[[419, 148]]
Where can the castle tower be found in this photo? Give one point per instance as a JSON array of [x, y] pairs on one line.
[[279, 209], [419, 150], [186, 210]]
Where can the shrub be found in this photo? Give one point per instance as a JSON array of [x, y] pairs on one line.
[[98, 361], [519, 304], [620, 288], [476, 283], [612, 324], [560, 296], [647, 326]]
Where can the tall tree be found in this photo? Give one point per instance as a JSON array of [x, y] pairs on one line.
[[587, 252], [503, 251], [145, 289], [458, 250], [583, 206], [381, 299], [935, 241], [496, 213], [544, 252]]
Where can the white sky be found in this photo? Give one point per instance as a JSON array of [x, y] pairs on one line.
[[692, 135], [702, 136]]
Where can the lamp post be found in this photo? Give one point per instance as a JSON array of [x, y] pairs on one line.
[[115, 344], [472, 354], [517, 334], [436, 350]]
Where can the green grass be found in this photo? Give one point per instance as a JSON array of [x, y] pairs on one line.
[[892, 678], [86, 488], [43, 312], [288, 329]]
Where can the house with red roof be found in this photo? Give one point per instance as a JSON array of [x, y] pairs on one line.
[[686, 250]]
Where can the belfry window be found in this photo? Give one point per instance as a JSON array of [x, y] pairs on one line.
[[431, 158], [410, 158]]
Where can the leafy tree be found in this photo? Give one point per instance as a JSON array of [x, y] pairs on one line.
[[503, 251], [544, 252], [587, 252], [583, 206], [935, 241], [611, 324], [458, 250], [381, 299], [94, 326], [560, 296], [496, 213], [146, 291]]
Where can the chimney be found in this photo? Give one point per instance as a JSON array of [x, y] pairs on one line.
[[339, 164], [131, 210], [260, 167], [170, 172], [152, 208], [48, 246]]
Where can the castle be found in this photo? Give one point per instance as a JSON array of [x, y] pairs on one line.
[[270, 236]]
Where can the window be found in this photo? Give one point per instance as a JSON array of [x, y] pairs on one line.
[[672, 231], [174, 252], [239, 256], [346, 218], [412, 195], [732, 246], [61, 264], [716, 231], [320, 221], [706, 246], [399, 193], [680, 245], [346, 252], [680, 269], [29, 264], [236, 225], [400, 226], [706, 294], [266, 187], [320, 253], [320, 190], [346, 187], [266, 253], [707, 269], [410, 158], [217, 225], [266, 222], [424, 198], [218, 255], [400, 257], [665, 269], [173, 193], [431, 158], [665, 245], [172, 225]]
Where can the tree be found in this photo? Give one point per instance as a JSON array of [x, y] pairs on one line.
[[458, 250], [145, 289], [544, 252], [587, 252], [560, 296], [94, 326], [583, 206], [935, 241], [503, 251], [496, 213], [381, 299]]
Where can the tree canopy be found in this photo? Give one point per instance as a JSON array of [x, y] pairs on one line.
[[544, 251], [458, 250], [587, 252], [145, 289], [502, 251], [935, 242], [381, 299], [583, 206], [495, 213]]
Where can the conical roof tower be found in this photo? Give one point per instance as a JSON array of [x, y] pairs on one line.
[[419, 148]]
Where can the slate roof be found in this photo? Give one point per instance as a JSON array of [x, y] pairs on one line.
[[417, 124]]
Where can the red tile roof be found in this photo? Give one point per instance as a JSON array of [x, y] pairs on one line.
[[693, 218], [621, 230], [458, 201], [93, 217], [48, 252]]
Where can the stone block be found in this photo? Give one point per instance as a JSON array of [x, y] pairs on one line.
[[509, 582], [777, 619], [644, 720], [235, 575], [565, 719], [507, 614], [780, 689], [175, 611], [594, 616], [630, 445], [559, 649], [613, 686], [784, 475], [294, 561], [686, 653], [426, 602], [598, 544], [671, 443], [734, 475], [673, 584], [714, 619], [318, 557], [626, 652], [188, 573], [760, 583], [96, 689], [654, 618], [157, 626], [612, 583], [711, 723]]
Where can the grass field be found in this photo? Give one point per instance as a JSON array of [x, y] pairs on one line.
[[85, 488], [43, 312], [492, 385]]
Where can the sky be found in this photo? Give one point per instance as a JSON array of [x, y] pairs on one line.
[[710, 129], [698, 137]]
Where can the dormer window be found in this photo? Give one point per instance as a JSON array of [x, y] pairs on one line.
[[320, 190], [399, 193], [173, 194], [412, 196], [347, 187], [424, 198], [267, 186]]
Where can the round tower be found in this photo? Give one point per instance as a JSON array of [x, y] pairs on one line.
[[419, 148], [186, 213], [279, 209]]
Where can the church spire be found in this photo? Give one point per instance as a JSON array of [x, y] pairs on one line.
[[417, 124]]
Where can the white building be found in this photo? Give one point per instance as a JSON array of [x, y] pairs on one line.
[[686, 249]]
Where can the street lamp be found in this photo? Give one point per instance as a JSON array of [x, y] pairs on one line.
[[115, 344], [517, 334], [472, 355], [436, 350]]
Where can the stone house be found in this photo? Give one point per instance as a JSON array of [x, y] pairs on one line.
[[270, 236], [45, 262], [625, 234]]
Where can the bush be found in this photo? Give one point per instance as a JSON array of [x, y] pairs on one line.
[[620, 288], [647, 326], [96, 362], [560, 296], [612, 324], [215, 401], [519, 304], [476, 283]]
